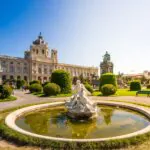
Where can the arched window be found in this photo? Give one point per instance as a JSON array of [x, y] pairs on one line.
[[42, 51], [25, 78], [4, 77], [37, 51], [18, 77]]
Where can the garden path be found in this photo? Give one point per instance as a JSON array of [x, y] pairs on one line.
[[23, 98]]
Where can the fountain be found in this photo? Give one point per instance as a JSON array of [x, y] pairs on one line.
[[79, 119], [80, 106]]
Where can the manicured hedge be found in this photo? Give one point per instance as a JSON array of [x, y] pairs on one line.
[[51, 89], [35, 88], [63, 79], [108, 89], [35, 81], [5, 91], [108, 78], [89, 87], [135, 85]]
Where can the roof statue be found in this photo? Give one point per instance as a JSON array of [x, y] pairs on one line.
[[106, 57]]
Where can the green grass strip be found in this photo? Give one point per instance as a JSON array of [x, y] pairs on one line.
[[10, 98]]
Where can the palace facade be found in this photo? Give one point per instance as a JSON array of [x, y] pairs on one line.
[[38, 64]]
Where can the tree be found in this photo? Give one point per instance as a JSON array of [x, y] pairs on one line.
[[63, 79]]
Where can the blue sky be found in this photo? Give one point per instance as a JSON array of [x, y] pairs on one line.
[[81, 30]]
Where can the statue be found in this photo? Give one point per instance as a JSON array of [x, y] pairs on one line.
[[106, 57], [80, 106]]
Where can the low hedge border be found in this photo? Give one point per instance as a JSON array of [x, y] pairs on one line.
[[21, 140], [10, 98]]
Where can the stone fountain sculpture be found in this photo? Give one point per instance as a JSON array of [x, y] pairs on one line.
[[80, 106]]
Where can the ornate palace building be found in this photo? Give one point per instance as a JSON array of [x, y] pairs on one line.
[[38, 64]]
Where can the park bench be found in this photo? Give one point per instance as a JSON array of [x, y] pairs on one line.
[[143, 92]]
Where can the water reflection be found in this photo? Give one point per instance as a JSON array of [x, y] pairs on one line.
[[107, 114], [111, 121]]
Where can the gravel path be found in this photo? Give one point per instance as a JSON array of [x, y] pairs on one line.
[[24, 98]]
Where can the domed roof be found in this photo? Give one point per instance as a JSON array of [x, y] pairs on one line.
[[39, 40]]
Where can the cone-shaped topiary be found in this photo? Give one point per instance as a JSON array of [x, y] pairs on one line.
[[63, 79], [108, 78]]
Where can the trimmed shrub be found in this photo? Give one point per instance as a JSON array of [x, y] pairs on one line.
[[148, 86], [19, 83], [63, 79], [45, 83], [108, 89], [51, 89], [135, 85], [89, 87], [35, 88], [5, 91], [35, 81], [108, 78]]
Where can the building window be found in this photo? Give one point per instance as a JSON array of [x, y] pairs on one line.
[[43, 51], [25, 78], [11, 77], [37, 51], [45, 70], [39, 70], [18, 77], [3, 77], [25, 70], [11, 68], [45, 79]]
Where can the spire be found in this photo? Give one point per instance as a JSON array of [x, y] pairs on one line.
[[39, 40], [40, 36]]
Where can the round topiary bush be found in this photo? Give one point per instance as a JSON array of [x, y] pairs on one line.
[[51, 89], [35, 88], [89, 87], [63, 79], [108, 78], [135, 85], [45, 83], [35, 81], [148, 86], [5, 91], [108, 89]]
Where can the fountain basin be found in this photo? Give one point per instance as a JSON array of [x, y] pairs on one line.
[[11, 122]]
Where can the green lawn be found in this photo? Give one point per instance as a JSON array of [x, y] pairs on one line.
[[120, 92], [10, 98]]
